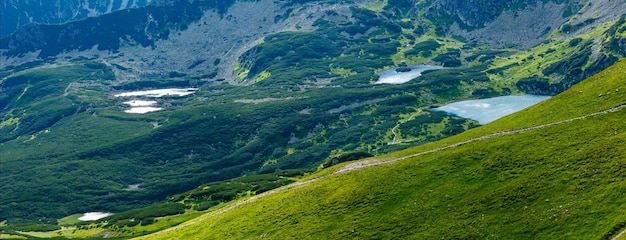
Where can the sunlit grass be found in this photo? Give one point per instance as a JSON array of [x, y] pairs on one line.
[[562, 181]]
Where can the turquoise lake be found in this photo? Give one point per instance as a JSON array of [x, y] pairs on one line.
[[487, 110]]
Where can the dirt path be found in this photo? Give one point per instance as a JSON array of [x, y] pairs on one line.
[[233, 205], [619, 235], [370, 163]]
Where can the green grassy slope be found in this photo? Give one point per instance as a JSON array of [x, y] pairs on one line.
[[560, 181]]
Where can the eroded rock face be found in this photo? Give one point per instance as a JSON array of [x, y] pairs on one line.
[[519, 23], [478, 13], [473, 13], [520, 28]]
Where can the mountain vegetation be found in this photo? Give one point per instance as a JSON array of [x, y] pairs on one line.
[[288, 95], [552, 171]]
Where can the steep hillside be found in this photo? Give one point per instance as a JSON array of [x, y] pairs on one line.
[[555, 170], [17, 13]]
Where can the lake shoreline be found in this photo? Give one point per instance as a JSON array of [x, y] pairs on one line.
[[490, 109], [400, 75]]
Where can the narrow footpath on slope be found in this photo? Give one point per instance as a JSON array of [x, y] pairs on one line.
[[371, 163]]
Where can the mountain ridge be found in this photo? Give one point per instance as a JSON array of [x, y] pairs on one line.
[[278, 17]]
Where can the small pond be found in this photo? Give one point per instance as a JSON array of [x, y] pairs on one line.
[[403, 74], [487, 110], [144, 106], [157, 93], [141, 107], [92, 216]]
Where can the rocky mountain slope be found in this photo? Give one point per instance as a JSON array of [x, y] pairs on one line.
[[164, 39], [17, 13], [185, 37]]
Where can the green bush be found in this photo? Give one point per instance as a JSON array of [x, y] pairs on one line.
[[534, 85], [485, 93], [574, 42], [345, 157], [449, 59], [34, 227], [424, 48], [206, 205], [147, 221], [135, 216]]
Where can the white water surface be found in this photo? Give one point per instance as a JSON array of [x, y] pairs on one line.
[[391, 76], [160, 92], [143, 106], [487, 110], [142, 110], [92, 216]]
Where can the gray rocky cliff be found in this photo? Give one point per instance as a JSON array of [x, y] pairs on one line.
[[519, 23]]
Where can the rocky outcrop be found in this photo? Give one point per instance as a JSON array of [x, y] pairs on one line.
[[519, 23], [477, 13], [520, 28]]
